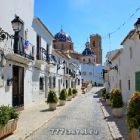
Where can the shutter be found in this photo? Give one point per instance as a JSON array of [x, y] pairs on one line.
[[137, 80]]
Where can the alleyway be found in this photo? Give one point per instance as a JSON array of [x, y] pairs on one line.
[[82, 120]]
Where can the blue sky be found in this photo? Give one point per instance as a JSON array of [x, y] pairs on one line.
[[80, 18]]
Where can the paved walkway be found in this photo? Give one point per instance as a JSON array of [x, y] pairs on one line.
[[117, 126], [32, 119], [81, 120]]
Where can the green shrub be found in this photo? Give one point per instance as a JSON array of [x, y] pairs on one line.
[[7, 113], [52, 97], [74, 91], [116, 98], [69, 92], [63, 94], [133, 112]]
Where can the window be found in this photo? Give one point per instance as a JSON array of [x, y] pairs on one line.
[[38, 43], [78, 81], [89, 60], [90, 73], [120, 84], [54, 46], [54, 82], [128, 84], [84, 73], [62, 47], [131, 53], [47, 50], [93, 43], [83, 60], [137, 81], [50, 82], [41, 83]]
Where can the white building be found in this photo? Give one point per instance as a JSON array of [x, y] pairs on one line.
[[23, 74], [127, 75], [90, 71]]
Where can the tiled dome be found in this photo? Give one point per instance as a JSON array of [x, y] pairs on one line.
[[62, 36], [88, 52]]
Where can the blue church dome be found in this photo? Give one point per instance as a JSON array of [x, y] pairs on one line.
[[88, 52], [62, 36]]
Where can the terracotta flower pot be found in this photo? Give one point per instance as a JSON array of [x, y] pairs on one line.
[[117, 112], [134, 134], [9, 128]]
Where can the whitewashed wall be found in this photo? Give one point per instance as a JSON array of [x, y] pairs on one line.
[[130, 65], [25, 10]]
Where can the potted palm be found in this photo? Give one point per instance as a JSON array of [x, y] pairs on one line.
[[8, 120], [116, 103], [52, 100], [74, 92], [63, 97], [133, 116], [69, 94]]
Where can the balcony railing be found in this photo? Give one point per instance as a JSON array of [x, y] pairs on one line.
[[45, 56], [42, 54], [24, 48]]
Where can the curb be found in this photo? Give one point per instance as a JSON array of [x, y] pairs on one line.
[[115, 133]]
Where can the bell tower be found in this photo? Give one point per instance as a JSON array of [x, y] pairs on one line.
[[95, 44]]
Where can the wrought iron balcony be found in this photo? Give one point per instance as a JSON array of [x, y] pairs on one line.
[[25, 49], [44, 57]]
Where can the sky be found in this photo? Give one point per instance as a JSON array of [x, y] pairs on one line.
[[81, 18]]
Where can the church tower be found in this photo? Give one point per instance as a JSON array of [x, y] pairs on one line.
[[95, 45]]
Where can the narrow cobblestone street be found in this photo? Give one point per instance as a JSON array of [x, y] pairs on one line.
[[83, 120]]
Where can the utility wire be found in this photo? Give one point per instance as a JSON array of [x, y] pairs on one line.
[[123, 24]]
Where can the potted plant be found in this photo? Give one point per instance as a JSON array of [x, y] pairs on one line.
[[133, 116], [74, 91], [52, 100], [69, 94], [8, 120], [107, 97], [63, 97], [103, 94], [116, 103]]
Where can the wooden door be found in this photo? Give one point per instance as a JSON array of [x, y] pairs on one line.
[[18, 87]]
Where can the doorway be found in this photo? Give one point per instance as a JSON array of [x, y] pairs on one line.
[[18, 87]]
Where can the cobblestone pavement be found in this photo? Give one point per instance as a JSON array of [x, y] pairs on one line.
[[82, 120]]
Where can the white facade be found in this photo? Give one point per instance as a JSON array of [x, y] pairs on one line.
[[7, 14], [128, 65], [92, 73], [24, 77]]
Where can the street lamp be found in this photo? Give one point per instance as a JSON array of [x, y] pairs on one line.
[[137, 26], [17, 24]]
